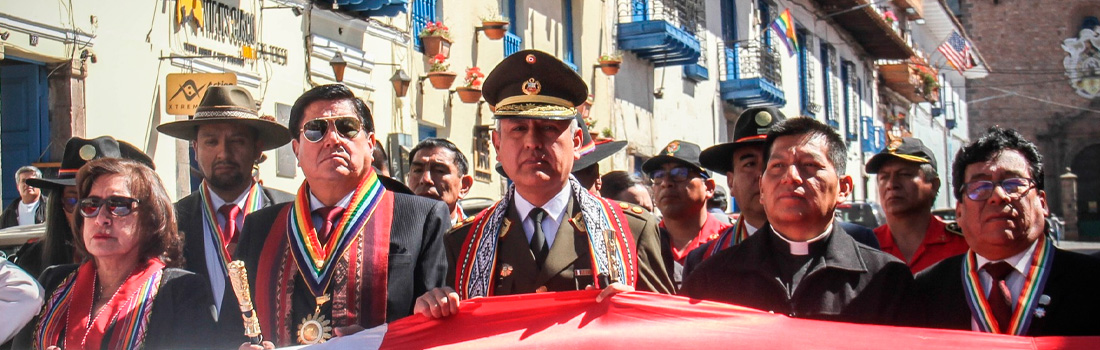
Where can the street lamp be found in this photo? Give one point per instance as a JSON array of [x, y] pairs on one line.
[[338, 64], [400, 81]]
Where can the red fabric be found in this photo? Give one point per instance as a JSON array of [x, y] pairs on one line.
[[711, 229], [87, 330], [938, 244], [641, 320]]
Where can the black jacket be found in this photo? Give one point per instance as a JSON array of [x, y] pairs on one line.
[[181, 316], [10, 217], [189, 220], [417, 260], [937, 299], [848, 282]]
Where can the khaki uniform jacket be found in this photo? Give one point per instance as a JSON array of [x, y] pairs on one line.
[[516, 272]]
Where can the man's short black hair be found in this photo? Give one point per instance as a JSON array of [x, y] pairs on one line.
[[433, 142], [838, 149], [331, 92], [994, 141]]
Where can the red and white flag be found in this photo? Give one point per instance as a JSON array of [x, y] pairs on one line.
[[957, 51]]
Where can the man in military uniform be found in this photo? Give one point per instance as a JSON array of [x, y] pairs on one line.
[[907, 187], [540, 235], [681, 189], [228, 138]]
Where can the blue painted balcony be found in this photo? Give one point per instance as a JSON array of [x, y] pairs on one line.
[[661, 31], [371, 8], [751, 75], [512, 43]]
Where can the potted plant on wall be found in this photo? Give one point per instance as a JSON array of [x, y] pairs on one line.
[[610, 63], [471, 92], [494, 26], [436, 39], [931, 86], [439, 75]]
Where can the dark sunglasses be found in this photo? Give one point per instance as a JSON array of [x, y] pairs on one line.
[[347, 127], [983, 189], [117, 206], [68, 204], [679, 174]]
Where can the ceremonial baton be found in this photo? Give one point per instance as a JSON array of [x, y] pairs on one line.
[[238, 277]]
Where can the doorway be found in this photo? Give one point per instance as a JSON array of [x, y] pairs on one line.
[[24, 119]]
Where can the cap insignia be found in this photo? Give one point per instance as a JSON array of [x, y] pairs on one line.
[[763, 118], [87, 152], [893, 147], [532, 86], [530, 59], [672, 148]]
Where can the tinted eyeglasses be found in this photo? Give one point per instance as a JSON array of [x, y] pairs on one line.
[[117, 206], [982, 189], [679, 174], [68, 204], [346, 126]]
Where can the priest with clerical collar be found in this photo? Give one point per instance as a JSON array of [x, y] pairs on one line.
[[823, 272]]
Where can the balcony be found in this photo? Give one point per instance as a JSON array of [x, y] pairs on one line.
[[661, 31], [512, 43], [370, 8], [869, 28], [910, 78], [752, 75], [915, 8]]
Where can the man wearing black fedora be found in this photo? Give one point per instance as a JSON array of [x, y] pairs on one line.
[[228, 138]]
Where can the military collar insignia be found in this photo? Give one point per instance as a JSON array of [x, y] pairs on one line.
[[532, 86]]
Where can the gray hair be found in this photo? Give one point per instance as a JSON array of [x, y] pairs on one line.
[[28, 169]]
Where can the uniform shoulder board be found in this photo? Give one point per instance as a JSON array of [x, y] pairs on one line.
[[954, 228], [463, 223]]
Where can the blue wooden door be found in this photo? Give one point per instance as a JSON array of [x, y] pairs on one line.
[[24, 120]]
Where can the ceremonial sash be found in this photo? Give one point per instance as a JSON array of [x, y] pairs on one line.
[[363, 259], [730, 237], [1034, 282], [612, 255], [253, 203], [122, 320]]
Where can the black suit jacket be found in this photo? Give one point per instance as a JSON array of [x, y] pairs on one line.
[[189, 220], [10, 217], [417, 260], [938, 299], [181, 316]]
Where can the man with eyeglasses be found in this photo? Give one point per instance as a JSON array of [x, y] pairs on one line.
[[1012, 280], [907, 187], [228, 138], [29, 208], [802, 263], [346, 253], [547, 233], [681, 189]]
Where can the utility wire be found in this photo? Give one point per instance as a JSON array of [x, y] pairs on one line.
[[1043, 100]]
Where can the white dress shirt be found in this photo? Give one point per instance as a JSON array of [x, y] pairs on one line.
[[555, 210], [26, 213], [1021, 263], [213, 260]]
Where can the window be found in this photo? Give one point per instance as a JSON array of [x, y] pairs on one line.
[[848, 81], [567, 33], [512, 41], [423, 11], [806, 73], [828, 72], [425, 131], [729, 20]]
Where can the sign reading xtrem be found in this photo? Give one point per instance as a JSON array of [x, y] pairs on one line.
[[185, 90]]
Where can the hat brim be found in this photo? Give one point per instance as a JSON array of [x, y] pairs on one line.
[[719, 158], [600, 152], [273, 134], [878, 160], [500, 170], [652, 164], [393, 185], [51, 184]]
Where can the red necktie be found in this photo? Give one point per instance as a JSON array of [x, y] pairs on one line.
[[229, 231], [329, 217], [1000, 296]]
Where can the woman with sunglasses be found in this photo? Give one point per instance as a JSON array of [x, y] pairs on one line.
[[127, 295]]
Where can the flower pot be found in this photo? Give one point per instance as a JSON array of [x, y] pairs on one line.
[[610, 67], [442, 80], [494, 30], [468, 95], [434, 45]]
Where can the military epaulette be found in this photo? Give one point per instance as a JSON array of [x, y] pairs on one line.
[[630, 208], [464, 223], [953, 228]]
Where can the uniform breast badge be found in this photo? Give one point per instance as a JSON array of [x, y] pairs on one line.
[[315, 329]]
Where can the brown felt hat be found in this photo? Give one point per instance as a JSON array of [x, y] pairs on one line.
[[228, 104]]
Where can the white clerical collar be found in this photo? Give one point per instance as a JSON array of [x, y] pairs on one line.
[[315, 203], [803, 248], [555, 207], [218, 202], [1018, 261], [749, 228]]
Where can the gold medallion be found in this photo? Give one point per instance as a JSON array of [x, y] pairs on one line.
[[87, 152], [315, 329]]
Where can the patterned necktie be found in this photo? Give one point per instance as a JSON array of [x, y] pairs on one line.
[[329, 216], [1000, 296], [229, 231], [538, 239]]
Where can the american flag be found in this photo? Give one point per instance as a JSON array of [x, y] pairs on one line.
[[957, 51]]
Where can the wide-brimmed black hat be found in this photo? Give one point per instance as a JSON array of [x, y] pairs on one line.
[[593, 151], [678, 151], [908, 149], [228, 104], [80, 151], [534, 84], [751, 128]]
